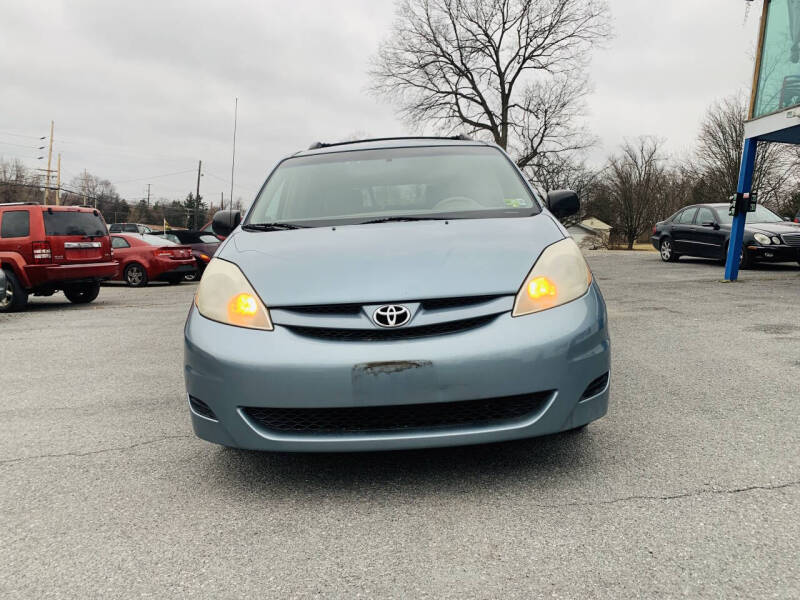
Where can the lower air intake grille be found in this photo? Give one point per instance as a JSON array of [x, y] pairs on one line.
[[388, 335], [201, 408], [597, 386], [406, 417]]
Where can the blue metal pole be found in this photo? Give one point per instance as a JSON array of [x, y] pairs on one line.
[[737, 228]]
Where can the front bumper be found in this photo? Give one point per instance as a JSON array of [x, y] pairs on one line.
[[561, 350], [774, 253]]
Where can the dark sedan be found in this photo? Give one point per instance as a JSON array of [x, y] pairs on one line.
[[704, 230], [203, 246]]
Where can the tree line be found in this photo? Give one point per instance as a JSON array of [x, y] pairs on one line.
[[20, 184]]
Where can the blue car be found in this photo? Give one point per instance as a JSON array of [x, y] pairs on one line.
[[391, 294]]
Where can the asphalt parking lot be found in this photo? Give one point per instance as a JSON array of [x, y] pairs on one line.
[[689, 487]]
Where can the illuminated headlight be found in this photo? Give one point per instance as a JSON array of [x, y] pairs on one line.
[[762, 239], [776, 240], [225, 295], [560, 275]]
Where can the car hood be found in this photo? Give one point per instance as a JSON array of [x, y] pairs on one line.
[[773, 228], [390, 262]]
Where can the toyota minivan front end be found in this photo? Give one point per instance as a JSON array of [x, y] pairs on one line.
[[395, 294]]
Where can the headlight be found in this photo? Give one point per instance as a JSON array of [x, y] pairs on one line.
[[225, 295], [560, 275], [776, 240], [762, 239]]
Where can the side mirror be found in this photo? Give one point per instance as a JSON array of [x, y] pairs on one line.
[[787, 219], [225, 221], [713, 224], [563, 203]]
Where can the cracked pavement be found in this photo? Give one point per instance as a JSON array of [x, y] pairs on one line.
[[690, 487]]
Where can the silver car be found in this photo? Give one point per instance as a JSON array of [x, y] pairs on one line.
[[395, 293]]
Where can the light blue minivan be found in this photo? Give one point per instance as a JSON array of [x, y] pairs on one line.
[[396, 293]]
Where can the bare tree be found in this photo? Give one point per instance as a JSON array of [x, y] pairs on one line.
[[18, 184], [636, 186], [509, 70], [719, 153]]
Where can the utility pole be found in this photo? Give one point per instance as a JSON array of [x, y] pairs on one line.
[[148, 195], [58, 182], [233, 158], [85, 187], [49, 162], [221, 200], [197, 196]]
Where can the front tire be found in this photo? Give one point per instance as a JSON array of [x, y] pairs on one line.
[[135, 275], [82, 294], [14, 297], [667, 251], [745, 258]]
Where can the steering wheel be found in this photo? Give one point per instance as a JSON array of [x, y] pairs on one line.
[[457, 203]]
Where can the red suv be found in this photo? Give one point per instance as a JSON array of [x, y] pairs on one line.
[[44, 249]]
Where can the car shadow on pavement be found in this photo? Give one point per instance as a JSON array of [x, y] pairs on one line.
[[759, 266], [547, 459]]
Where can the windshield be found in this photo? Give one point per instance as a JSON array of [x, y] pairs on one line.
[[761, 215], [360, 186], [73, 223]]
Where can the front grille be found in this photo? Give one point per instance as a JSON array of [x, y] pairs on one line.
[[406, 417], [791, 239], [597, 386], [444, 303], [327, 309], [389, 335], [354, 308]]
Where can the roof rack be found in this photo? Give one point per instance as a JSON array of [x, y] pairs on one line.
[[2, 204], [318, 145]]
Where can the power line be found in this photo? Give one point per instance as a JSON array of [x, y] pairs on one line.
[[228, 181], [22, 145], [153, 177], [32, 137]]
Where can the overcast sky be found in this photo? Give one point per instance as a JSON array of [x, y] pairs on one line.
[[142, 89]]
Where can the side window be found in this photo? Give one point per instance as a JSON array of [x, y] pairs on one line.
[[118, 242], [686, 217], [15, 224], [704, 215]]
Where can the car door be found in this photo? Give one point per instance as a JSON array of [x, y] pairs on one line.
[[122, 250], [710, 239], [682, 232]]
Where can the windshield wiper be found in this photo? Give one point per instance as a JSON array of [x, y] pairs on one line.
[[402, 219], [270, 226]]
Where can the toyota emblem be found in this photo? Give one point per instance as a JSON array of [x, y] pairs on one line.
[[391, 315]]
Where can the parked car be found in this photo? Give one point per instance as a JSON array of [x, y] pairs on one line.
[[203, 246], [44, 249], [129, 228], [704, 230], [144, 258], [407, 293], [797, 217]]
